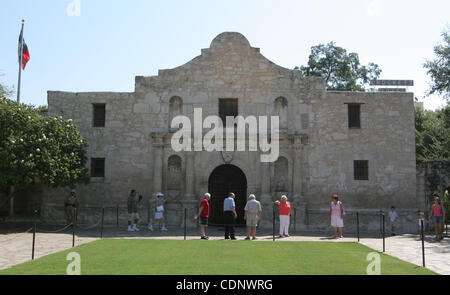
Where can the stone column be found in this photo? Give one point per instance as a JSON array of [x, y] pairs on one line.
[[266, 198], [190, 176], [298, 200], [158, 154]]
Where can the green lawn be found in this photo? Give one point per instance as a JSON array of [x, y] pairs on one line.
[[196, 257]]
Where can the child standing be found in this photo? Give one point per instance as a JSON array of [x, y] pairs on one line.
[[393, 218], [420, 222], [159, 213]]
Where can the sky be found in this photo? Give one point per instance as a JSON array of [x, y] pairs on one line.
[[99, 45]]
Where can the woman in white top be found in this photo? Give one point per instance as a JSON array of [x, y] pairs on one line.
[[337, 216]]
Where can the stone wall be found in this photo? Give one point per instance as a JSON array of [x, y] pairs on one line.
[[317, 148]]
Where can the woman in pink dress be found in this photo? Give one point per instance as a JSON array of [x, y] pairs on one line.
[[337, 216]]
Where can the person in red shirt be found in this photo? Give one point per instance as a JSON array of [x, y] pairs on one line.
[[204, 215], [285, 214]]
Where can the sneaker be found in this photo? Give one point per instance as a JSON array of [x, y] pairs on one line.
[[150, 227], [254, 238], [227, 238], [233, 238], [281, 236], [286, 236], [204, 238], [136, 229], [164, 228], [247, 238]]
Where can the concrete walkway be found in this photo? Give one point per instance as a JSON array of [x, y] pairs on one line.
[[16, 247]]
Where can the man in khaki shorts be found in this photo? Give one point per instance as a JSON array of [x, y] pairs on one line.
[[133, 216], [252, 215]]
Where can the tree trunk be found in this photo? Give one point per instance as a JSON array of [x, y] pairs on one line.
[[4, 202]]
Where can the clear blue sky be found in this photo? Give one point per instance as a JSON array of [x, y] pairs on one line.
[[112, 41]]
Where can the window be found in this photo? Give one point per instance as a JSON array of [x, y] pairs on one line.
[[354, 115], [227, 107], [97, 167], [99, 115], [361, 169]]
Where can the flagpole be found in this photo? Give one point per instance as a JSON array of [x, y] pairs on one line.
[[20, 63]]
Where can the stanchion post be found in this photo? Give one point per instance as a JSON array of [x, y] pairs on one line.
[[384, 244], [148, 214], [357, 225], [73, 229], [295, 220], [34, 234], [185, 212], [103, 216], [117, 215], [273, 225], [423, 242]]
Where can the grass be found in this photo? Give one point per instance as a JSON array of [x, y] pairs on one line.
[[195, 257]]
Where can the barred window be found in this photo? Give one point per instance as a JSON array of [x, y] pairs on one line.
[[97, 167], [354, 115], [99, 115], [361, 169], [227, 107]]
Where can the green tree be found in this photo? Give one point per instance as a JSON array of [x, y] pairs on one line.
[[439, 67], [340, 70], [38, 149], [433, 134], [5, 91]]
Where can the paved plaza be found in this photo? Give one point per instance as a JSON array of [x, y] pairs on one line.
[[16, 245]]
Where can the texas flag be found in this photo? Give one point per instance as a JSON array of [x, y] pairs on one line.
[[25, 52]]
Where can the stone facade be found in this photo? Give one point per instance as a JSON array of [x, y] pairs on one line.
[[317, 148]]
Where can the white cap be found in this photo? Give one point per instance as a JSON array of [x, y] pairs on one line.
[[251, 197], [283, 197], [207, 195], [160, 195]]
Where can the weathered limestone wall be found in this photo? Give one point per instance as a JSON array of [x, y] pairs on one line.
[[316, 145]]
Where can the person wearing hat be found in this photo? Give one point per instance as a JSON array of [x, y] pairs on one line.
[[285, 215], [337, 216], [158, 204], [70, 206], [203, 212], [252, 214]]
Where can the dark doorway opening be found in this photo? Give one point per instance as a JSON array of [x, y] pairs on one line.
[[223, 180]]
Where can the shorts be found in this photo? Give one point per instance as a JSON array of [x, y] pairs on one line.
[[393, 223], [437, 219], [203, 220], [337, 221], [159, 215], [133, 216], [252, 220]]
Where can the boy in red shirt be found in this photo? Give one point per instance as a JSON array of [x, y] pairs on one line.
[[204, 215]]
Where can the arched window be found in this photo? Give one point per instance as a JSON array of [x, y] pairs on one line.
[[280, 175], [174, 173], [280, 106], [175, 108]]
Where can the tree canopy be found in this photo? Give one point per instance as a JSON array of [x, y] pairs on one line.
[[341, 70], [39, 149], [433, 134], [439, 67]]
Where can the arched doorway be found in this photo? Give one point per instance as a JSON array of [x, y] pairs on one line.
[[223, 180]]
